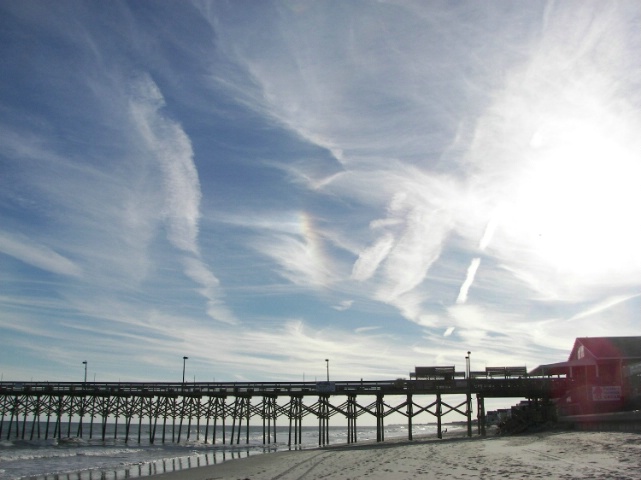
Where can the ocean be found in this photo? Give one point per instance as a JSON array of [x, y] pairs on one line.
[[112, 459]]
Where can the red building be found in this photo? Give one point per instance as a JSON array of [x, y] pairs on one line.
[[604, 376]]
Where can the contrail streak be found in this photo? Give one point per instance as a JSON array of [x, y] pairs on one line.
[[471, 273]]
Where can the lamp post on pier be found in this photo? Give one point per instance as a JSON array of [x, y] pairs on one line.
[[85, 364], [184, 362], [327, 364], [467, 365]]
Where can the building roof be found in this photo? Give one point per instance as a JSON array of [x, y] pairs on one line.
[[561, 368], [603, 348], [589, 351]]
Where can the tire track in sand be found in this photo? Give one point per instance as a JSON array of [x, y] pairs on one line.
[[299, 464]]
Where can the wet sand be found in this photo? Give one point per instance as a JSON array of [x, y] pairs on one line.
[[551, 455]]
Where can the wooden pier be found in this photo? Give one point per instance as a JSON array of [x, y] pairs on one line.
[[37, 410]]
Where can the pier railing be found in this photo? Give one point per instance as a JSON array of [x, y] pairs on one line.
[[490, 387]]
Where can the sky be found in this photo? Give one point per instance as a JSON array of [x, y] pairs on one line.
[[261, 186]]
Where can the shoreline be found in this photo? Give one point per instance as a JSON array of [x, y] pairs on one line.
[[549, 455], [113, 458]]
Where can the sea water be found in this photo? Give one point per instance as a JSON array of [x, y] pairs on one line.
[[70, 458]]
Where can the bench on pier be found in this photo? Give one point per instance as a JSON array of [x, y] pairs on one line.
[[436, 373], [506, 372], [516, 371]]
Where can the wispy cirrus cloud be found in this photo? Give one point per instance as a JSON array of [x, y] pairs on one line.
[[370, 258], [40, 256], [344, 305], [169, 147]]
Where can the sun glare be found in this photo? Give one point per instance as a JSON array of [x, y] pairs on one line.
[[575, 198]]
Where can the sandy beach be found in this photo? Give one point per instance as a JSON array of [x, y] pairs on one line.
[[551, 455]]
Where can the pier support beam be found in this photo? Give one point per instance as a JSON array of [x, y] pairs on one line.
[[468, 412], [480, 418], [439, 416], [295, 414], [323, 420], [380, 416], [269, 414], [352, 414], [410, 414], [242, 411]]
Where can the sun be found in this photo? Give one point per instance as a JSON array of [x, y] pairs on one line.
[[577, 193], [558, 168]]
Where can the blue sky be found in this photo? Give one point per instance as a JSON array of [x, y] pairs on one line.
[[260, 186]]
